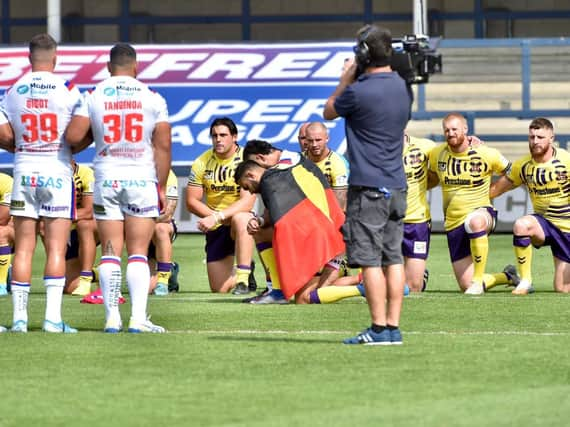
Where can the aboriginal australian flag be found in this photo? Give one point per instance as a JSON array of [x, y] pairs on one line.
[[306, 219]]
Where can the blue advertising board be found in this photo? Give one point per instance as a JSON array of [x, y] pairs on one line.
[[268, 90]]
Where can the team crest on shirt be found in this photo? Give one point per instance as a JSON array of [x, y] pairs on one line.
[[442, 166], [414, 158], [476, 166], [561, 175]]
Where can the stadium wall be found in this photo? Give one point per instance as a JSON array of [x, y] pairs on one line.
[[182, 21]]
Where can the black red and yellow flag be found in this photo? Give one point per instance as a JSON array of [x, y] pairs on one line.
[[306, 218]]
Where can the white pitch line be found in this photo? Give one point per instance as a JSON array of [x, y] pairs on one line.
[[308, 332]]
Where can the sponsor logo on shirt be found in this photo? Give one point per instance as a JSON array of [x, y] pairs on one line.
[[124, 183], [40, 181]]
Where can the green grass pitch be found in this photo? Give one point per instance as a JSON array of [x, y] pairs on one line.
[[494, 360]]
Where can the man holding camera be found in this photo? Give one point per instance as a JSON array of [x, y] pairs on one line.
[[376, 103]]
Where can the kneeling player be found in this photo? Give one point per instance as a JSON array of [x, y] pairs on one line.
[[160, 250], [6, 231]]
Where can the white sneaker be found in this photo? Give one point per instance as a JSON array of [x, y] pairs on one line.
[[523, 288], [58, 328], [113, 326], [3, 329], [146, 326], [20, 326], [475, 289]]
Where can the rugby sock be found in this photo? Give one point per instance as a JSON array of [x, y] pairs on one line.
[[330, 294], [242, 273], [494, 279], [163, 272], [54, 295], [5, 256], [20, 292], [479, 243], [523, 252], [95, 271], [110, 283], [84, 285], [266, 254], [138, 280], [86, 276]]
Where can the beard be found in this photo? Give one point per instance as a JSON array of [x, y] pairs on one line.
[[456, 141], [538, 149]]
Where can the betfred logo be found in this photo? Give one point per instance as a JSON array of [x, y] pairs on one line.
[[196, 64], [268, 90]]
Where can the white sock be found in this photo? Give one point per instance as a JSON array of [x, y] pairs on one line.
[[20, 292], [54, 296], [138, 280], [110, 282]]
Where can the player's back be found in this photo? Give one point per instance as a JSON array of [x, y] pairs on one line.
[[39, 106], [123, 113]]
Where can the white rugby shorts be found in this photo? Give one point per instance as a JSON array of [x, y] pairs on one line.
[[38, 194], [113, 199]]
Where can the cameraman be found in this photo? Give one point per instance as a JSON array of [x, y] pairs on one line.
[[376, 104]]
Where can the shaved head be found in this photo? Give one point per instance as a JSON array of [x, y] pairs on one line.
[[42, 49]]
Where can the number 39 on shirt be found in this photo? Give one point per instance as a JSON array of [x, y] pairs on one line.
[[39, 127]]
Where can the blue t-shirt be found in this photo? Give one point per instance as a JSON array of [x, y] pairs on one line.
[[376, 108]]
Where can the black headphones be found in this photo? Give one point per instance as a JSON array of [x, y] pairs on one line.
[[361, 50]]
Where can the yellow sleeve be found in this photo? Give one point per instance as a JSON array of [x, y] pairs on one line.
[[87, 179], [6, 182], [514, 173], [196, 177], [433, 155], [339, 172], [172, 186], [499, 163]]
